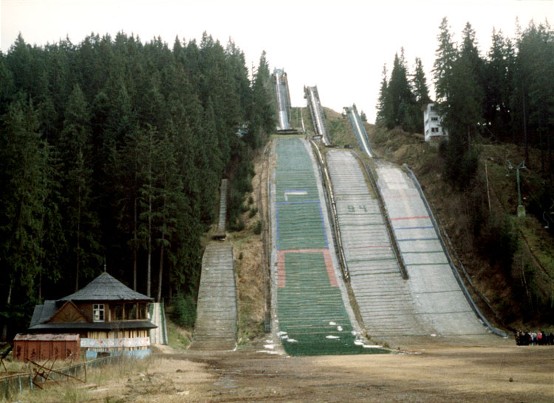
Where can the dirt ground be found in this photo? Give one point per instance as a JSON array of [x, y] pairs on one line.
[[432, 369], [484, 369], [418, 369]]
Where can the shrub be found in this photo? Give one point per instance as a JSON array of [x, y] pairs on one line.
[[184, 310], [498, 242], [258, 228], [237, 225]]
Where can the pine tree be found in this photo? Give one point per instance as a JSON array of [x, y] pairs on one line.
[[535, 88], [23, 194], [400, 98], [170, 204], [498, 89], [383, 108], [82, 221], [446, 55], [419, 85], [262, 113], [458, 84]]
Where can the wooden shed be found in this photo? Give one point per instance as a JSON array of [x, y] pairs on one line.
[[45, 346]]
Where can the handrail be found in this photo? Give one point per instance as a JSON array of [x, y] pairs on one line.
[[334, 222]]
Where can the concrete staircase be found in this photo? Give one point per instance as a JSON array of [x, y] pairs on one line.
[[216, 321]]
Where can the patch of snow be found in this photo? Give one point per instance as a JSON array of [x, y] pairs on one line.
[[267, 352]]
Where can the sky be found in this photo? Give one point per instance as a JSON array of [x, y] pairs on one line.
[[339, 46]]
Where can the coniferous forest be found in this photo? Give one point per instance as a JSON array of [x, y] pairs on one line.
[[111, 155], [505, 96], [503, 99]]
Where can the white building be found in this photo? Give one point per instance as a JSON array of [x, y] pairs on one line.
[[432, 124]]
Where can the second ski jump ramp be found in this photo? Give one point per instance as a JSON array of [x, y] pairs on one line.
[[437, 295]]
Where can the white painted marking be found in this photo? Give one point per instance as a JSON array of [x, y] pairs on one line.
[[295, 193]]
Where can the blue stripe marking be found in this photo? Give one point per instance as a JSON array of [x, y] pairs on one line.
[[422, 227], [298, 202], [416, 239]]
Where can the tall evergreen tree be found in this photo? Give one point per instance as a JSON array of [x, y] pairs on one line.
[[82, 221], [462, 112], [23, 193], [419, 85], [446, 55], [534, 84], [262, 113], [383, 109], [498, 87], [400, 98]]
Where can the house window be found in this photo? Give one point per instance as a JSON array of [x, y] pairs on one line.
[[98, 312], [435, 119], [131, 311], [118, 312]]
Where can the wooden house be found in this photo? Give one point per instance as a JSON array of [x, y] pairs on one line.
[[109, 317]]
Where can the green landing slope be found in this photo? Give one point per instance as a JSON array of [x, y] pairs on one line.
[[312, 317]]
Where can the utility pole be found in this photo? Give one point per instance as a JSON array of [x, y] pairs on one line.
[[520, 206]]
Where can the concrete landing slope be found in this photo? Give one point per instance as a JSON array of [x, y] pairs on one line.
[[216, 320], [438, 297], [383, 297]]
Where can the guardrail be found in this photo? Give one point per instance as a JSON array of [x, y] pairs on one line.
[[331, 201], [314, 105], [359, 129], [281, 91]]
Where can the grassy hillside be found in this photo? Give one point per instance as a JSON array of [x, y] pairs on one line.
[[510, 260]]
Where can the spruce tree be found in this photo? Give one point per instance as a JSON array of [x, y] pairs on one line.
[[82, 223], [446, 55], [23, 193], [419, 85]]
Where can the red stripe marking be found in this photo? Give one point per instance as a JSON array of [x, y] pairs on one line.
[[281, 271], [383, 246], [410, 218], [329, 266]]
